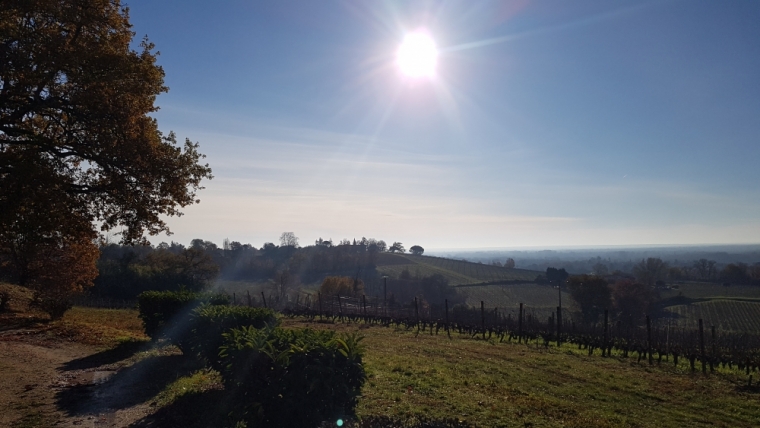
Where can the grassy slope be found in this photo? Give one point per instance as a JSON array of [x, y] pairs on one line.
[[458, 272], [485, 383], [500, 384]]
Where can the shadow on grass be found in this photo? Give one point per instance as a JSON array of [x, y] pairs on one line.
[[120, 352], [11, 322], [126, 388], [192, 410]]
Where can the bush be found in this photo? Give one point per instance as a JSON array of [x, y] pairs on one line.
[[209, 322], [166, 314], [292, 378], [53, 304], [5, 300], [341, 285]]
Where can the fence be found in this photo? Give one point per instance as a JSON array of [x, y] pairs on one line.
[[658, 339]]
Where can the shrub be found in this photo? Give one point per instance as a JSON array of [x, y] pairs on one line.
[[209, 322], [292, 378], [53, 304], [166, 314], [342, 285], [5, 300]]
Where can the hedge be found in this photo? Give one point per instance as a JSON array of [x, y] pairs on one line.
[[209, 322], [166, 314], [292, 378]]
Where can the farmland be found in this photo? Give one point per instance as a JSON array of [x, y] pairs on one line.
[[411, 375], [458, 272], [724, 314]]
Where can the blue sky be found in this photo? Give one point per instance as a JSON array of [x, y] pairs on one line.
[[547, 124]]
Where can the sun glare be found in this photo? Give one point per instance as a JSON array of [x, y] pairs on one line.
[[417, 56]]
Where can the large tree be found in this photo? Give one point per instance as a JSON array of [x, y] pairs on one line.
[[651, 270], [633, 300], [592, 293], [75, 124], [78, 148], [416, 250]]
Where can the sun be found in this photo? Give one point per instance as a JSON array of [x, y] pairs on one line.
[[417, 56]]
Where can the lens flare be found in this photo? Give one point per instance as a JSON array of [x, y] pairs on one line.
[[418, 55]]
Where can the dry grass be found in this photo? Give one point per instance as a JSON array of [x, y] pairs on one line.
[[90, 326], [100, 327]]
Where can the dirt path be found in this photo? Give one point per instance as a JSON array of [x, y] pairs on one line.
[[45, 383]]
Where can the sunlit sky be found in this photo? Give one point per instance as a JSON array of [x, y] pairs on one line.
[[544, 124]]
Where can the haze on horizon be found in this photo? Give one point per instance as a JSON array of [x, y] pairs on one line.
[[544, 124]]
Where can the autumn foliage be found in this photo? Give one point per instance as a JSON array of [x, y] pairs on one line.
[[342, 285]]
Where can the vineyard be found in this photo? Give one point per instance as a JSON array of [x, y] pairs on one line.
[[508, 297], [697, 290], [729, 315], [699, 345], [458, 272]]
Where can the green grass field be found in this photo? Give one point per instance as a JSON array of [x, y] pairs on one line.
[[499, 384]]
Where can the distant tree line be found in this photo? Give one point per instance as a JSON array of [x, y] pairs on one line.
[[630, 297], [124, 271]]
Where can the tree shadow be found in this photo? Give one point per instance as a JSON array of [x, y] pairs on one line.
[[9, 321], [126, 388], [192, 410], [120, 352]]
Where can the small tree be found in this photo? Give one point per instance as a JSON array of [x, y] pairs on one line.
[[416, 250], [288, 239], [510, 263], [592, 293], [397, 247], [556, 276], [62, 270], [342, 285]]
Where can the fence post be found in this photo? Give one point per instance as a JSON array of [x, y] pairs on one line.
[[483, 318], [559, 325], [714, 351], [649, 340], [416, 314], [551, 330], [604, 344], [340, 307], [385, 294], [519, 325], [319, 296], [248, 293], [447, 315], [264, 299], [364, 303], [702, 346]]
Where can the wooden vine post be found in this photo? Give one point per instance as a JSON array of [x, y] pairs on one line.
[[702, 346], [483, 318], [263, 299], [519, 325], [319, 297], [447, 316], [649, 340], [606, 329]]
